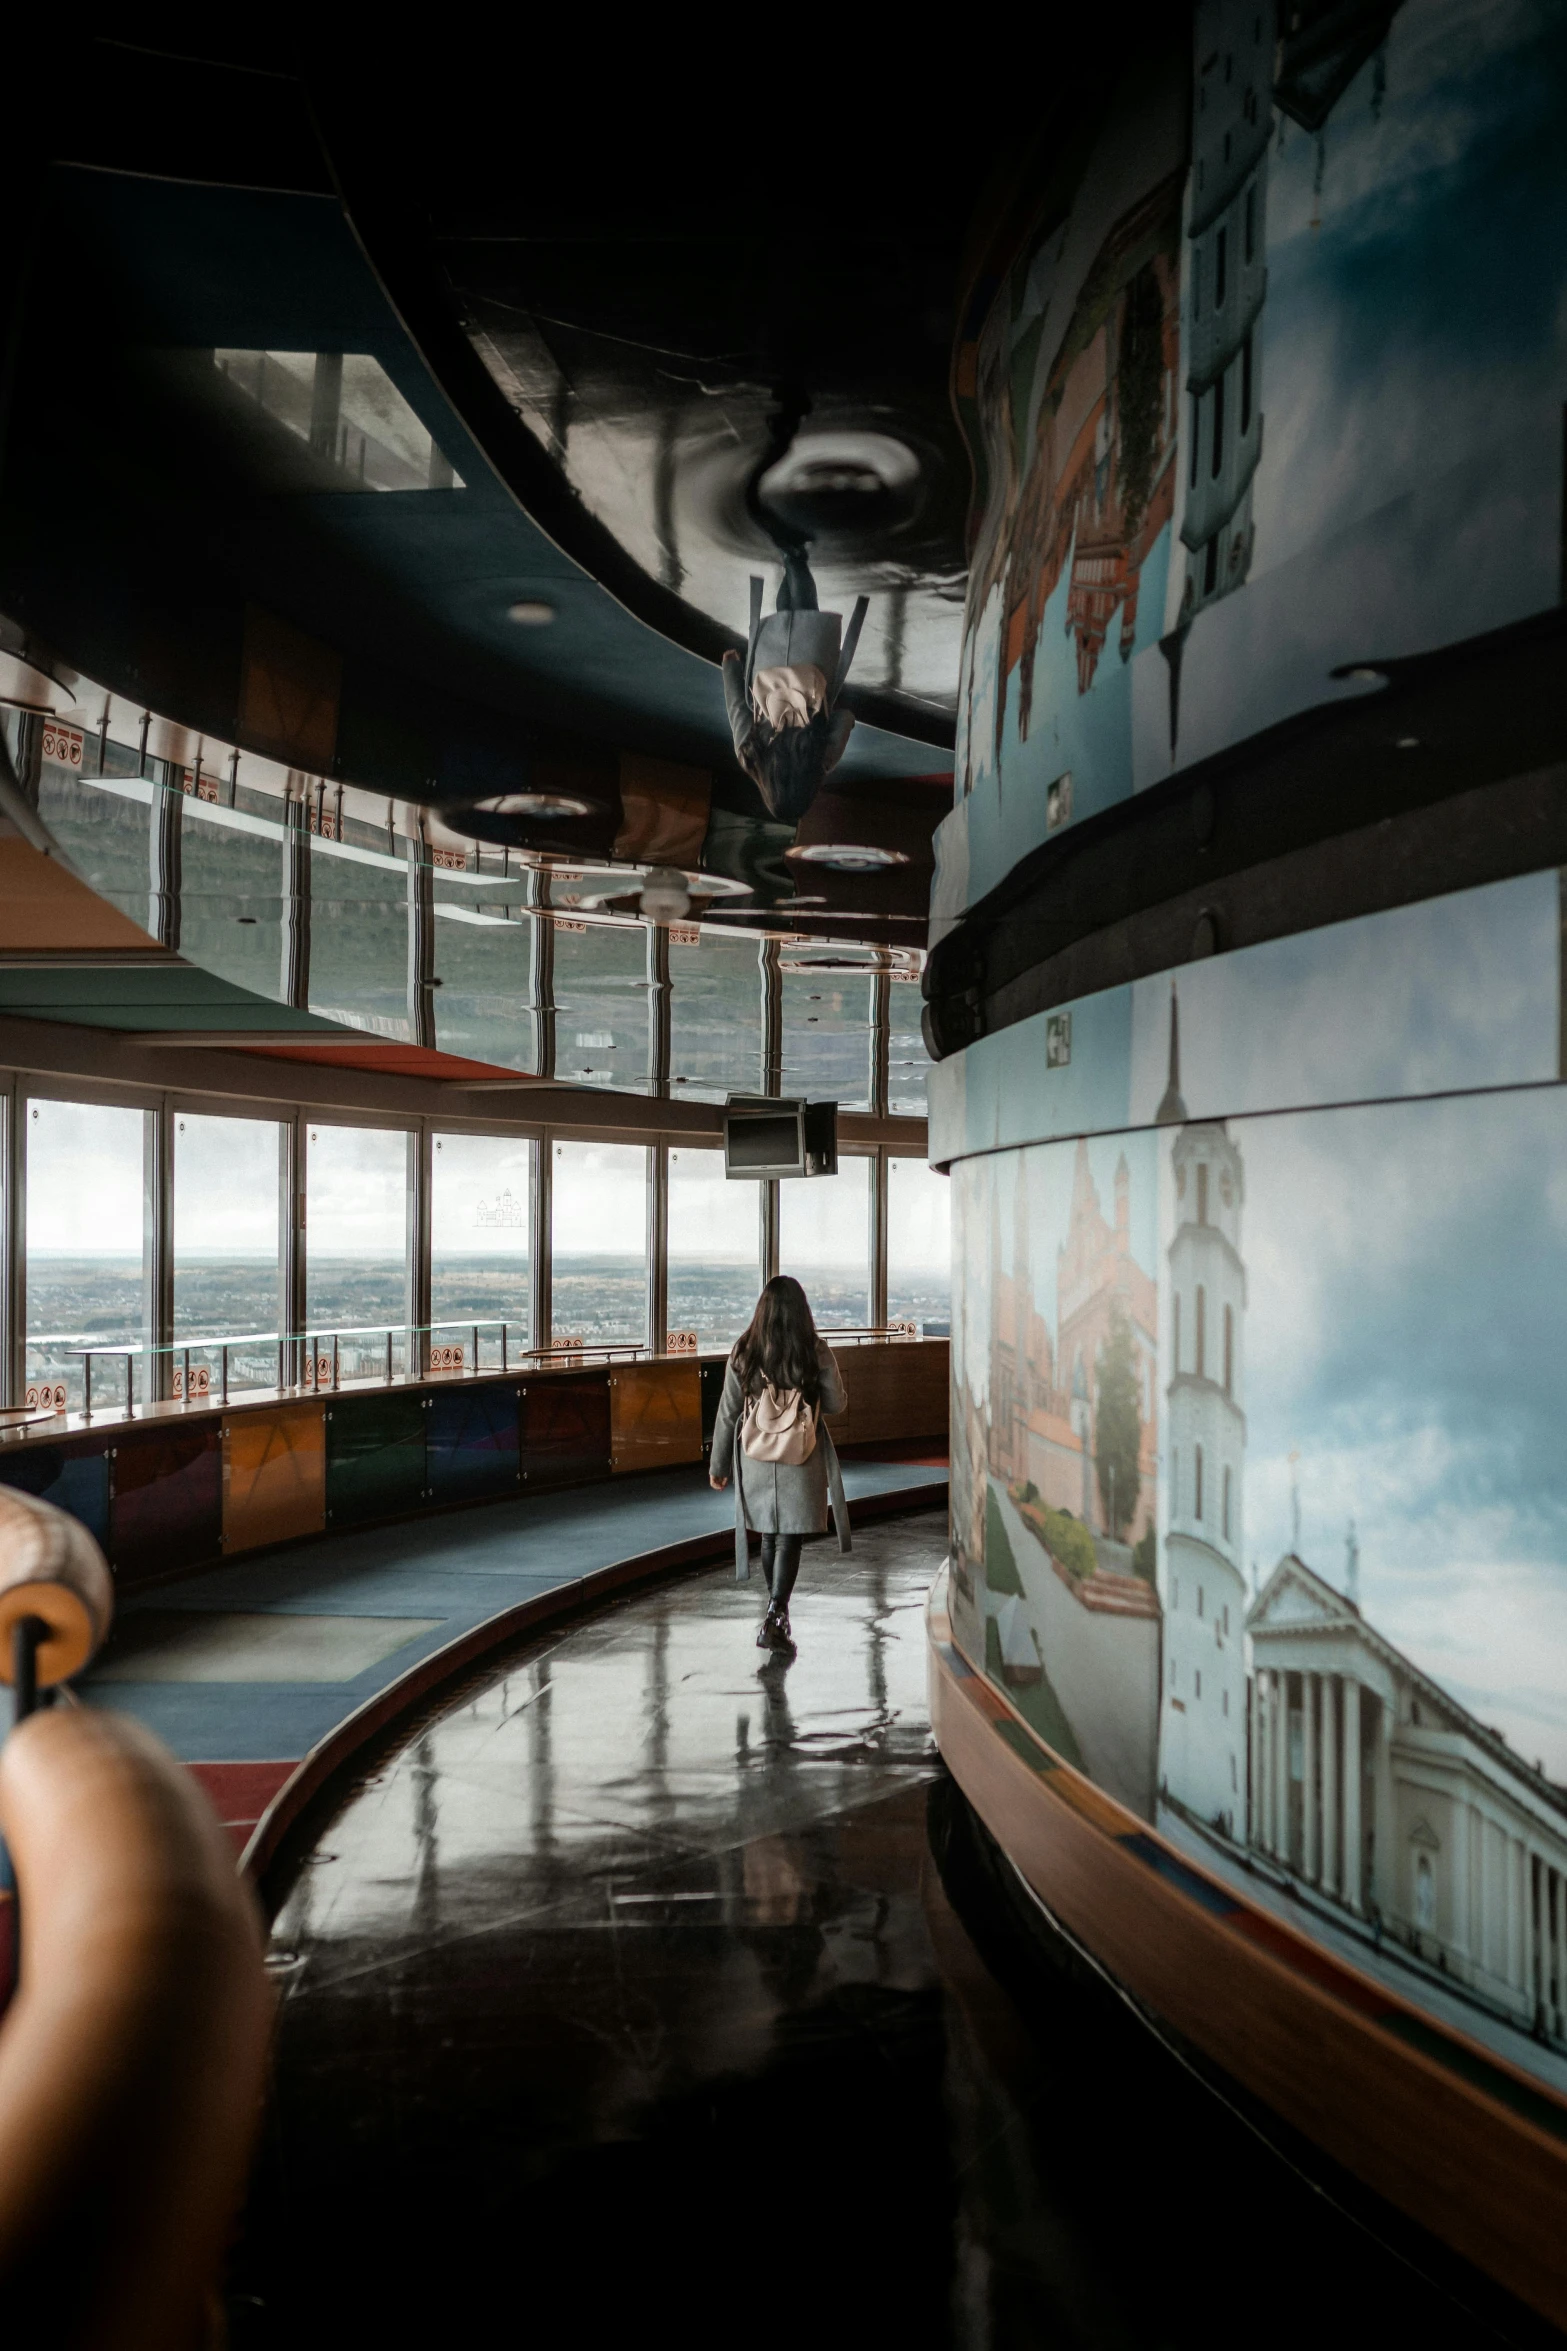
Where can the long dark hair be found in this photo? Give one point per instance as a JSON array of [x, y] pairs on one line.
[[789, 765], [779, 1343]]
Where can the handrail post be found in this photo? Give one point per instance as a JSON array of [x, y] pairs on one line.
[[335, 1338], [187, 1375], [87, 1383], [388, 1354], [475, 1346], [223, 1376], [130, 1385]]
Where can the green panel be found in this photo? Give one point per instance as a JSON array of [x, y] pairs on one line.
[[374, 1456]]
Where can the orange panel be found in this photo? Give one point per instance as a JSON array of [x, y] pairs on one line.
[[274, 1476], [655, 1415]]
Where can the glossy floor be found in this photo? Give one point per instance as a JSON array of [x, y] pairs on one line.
[[627, 1997]]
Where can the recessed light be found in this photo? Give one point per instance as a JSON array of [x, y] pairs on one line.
[[848, 856], [533, 804], [1407, 743], [531, 612]]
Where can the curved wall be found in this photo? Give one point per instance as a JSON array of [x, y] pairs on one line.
[[1259, 1507]]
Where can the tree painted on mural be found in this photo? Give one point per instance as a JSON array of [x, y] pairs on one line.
[[1118, 1428]]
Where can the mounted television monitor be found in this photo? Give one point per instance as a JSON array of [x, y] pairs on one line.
[[766, 1140]]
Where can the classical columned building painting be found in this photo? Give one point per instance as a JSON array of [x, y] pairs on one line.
[[1372, 1784]]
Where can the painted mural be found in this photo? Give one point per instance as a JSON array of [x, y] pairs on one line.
[[1260, 1513], [1288, 347]]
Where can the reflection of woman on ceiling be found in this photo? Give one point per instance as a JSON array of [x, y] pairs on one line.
[[787, 735]]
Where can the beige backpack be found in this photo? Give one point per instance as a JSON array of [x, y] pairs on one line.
[[778, 1425]]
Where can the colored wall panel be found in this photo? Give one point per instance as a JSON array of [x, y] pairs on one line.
[[375, 1456], [565, 1431], [471, 1441], [167, 1506], [655, 1415], [274, 1476], [75, 1478]]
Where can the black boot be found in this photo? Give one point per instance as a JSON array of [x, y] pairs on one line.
[[767, 1631]]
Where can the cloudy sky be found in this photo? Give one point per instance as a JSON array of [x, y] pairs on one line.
[[1407, 1265]]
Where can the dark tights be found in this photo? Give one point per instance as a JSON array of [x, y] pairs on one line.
[[780, 1565]]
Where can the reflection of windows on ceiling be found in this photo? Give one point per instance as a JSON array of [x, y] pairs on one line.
[[346, 409]]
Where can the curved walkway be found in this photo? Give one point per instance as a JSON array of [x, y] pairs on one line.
[[246, 1671], [624, 2000]]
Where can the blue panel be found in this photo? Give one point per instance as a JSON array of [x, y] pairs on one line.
[[77, 1482], [471, 1442]]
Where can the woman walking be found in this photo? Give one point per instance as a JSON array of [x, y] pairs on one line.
[[780, 1379], [788, 733]]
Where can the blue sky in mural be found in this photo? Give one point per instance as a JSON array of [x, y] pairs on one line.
[[1413, 341], [1406, 1265]]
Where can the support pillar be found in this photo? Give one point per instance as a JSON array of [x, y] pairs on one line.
[[294, 971], [878, 1205], [1332, 1869], [658, 1245], [541, 1194], [421, 942], [1354, 1848], [1310, 1847], [420, 1179], [157, 1248], [13, 1257], [293, 1163], [658, 1001], [165, 836]]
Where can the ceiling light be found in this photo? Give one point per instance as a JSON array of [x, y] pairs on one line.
[[848, 856], [531, 612], [665, 895], [533, 804]]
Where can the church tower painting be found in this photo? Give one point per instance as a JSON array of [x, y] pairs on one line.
[[1202, 1753]]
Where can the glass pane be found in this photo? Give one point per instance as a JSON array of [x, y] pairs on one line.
[[484, 950], [827, 1036], [231, 902], [824, 1240], [601, 1004], [345, 409], [102, 824], [598, 1272], [715, 1015], [908, 1063], [481, 1239], [84, 1243], [356, 1263], [919, 1247], [714, 1248], [226, 1243], [359, 937]]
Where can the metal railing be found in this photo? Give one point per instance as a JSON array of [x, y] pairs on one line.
[[314, 1361]]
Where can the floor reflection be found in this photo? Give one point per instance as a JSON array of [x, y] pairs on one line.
[[627, 1995]]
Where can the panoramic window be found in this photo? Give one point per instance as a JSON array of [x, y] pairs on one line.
[[714, 1248], [355, 935], [480, 1241], [347, 411], [908, 1063], [919, 1245], [85, 1244], [227, 1226], [824, 1240], [715, 1015], [827, 1035], [598, 1251], [356, 1258], [485, 955], [601, 1004]]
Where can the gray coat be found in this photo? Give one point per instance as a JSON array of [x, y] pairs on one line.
[[778, 1497]]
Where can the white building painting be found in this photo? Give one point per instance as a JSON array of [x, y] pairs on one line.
[[1373, 1785], [1202, 1747]]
